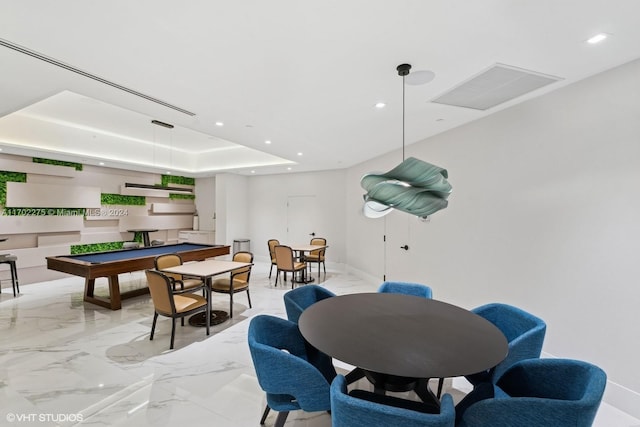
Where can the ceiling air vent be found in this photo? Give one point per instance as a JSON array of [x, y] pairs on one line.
[[498, 84]]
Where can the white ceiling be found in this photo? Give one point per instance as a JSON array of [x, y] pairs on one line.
[[303, 74]]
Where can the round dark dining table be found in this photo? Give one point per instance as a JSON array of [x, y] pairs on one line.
[[402, 335]]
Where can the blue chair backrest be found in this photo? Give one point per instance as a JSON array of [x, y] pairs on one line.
[[537, 393], [297, 300], [288, 378], [524, 332], [349, 411], [406, 288]]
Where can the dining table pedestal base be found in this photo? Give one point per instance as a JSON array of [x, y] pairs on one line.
[[303, 279], [383, 383], [216, 317]]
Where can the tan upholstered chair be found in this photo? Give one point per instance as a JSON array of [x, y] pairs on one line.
[[317, 255], [272, 253], [168, 304], [285, 262], [238, 282], [179, 283]]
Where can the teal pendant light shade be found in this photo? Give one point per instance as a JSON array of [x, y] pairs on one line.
[[415, 187]]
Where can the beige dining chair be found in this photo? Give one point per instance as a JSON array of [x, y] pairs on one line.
[[286, 262], [169, 304], [237, 282], [179, 282], [272, 253], [317, 256]]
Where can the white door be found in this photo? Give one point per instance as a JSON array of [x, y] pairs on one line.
[[398, 246], [301, 219]]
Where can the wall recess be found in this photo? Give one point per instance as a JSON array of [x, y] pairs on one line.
[[175, 179], [7, 176]]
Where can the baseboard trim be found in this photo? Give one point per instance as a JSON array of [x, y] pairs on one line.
[[616, 395], [362, 275], [622, 398]]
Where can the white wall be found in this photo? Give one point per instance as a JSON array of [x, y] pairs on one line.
[[232, 201], [268, 209], [205, 191], [544, 214]]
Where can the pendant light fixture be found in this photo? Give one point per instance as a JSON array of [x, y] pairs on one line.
[[414, 186]]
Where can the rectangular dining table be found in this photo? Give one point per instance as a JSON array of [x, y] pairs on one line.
[[206, 270]]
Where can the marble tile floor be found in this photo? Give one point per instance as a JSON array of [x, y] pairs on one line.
[[67, 363]]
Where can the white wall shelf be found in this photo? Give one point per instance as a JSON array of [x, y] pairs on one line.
[[39, 224], [204, 237], [172, 208]]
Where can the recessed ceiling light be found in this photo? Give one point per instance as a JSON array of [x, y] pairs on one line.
[[101, 163], [597, 38], [253, 171], [289, 168], [267, 142], [380, 105], [219, 124], [299, 154]]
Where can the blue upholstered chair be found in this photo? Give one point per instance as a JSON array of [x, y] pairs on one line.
[[524, 332], [536, 393], [415, 289], [365, 409], [297, 300], [292, 379]]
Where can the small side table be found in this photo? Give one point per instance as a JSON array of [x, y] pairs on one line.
[[145, 234], [11, 260]]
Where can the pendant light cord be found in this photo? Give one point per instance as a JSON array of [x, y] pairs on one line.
[[403, 157], [403, 70]]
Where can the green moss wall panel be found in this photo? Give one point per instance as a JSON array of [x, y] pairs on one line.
[[26, 195], [40, 160], [177, 180]]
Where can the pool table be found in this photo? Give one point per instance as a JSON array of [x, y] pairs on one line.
[[110, 264]]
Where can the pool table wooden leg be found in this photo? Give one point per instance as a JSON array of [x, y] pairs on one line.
[[114, 293], [114, 302], [89, 286]]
